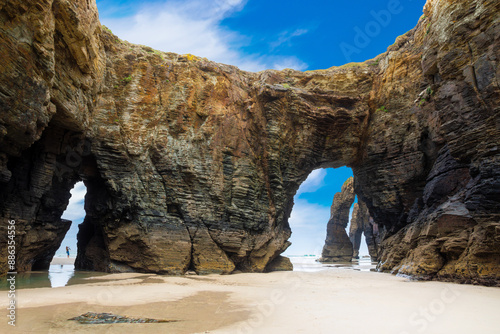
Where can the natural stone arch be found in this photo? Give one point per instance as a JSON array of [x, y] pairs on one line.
[[171, 132], [341, 246], [39, 191], [362, 224], [220, 183]]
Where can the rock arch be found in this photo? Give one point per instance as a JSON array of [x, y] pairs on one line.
[[38, 193], [195, 164], [362, 224], [341, 246]]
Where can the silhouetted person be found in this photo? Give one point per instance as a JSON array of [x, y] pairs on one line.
[[67, 250]]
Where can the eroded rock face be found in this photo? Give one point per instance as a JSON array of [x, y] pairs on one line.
[[362, 223], [193, 164], [338, 247], [52, 69], [198, 162], [444, 210]]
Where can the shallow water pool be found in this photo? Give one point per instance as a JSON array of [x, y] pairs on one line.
[[57, 276]]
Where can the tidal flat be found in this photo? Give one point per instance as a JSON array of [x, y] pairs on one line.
[[313, 299]]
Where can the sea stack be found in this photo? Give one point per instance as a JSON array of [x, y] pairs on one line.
[[338, 247]]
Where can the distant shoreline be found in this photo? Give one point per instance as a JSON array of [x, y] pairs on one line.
[[62, 260]]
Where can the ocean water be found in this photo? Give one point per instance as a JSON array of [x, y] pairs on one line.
[[62, 275], [57, 276], [309, 263]]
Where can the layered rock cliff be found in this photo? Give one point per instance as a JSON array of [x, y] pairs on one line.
[[444, 210], [338, 247], [193, 164], [363, 224]]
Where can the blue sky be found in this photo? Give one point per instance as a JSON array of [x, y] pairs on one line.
[[256, 35], [76, 213], [311, 210]]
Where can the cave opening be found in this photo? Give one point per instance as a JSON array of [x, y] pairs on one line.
[[75, 212], [62, 267], [311, 211], [45, 193], [310, 217]]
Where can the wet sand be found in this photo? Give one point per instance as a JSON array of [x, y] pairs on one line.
[[329, 301]]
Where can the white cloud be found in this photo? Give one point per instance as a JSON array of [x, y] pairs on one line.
[[286, 37], [305, 214], [75, 210], [281, 63], [314, 181], [308, 223], [194, 26], [350, 217]]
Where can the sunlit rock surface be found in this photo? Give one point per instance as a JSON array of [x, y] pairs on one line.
[[338, 247], [190, 164]]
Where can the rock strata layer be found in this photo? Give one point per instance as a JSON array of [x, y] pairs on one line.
[[338, 247], [363, 224], [190, 164]]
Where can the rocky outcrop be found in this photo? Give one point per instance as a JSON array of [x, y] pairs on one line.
[[362, 223], [53, 66], [338, 247], [443, 208], [190, 164], [280, 263], [356, 228]]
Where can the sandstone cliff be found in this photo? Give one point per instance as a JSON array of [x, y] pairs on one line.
[[444, 210], [338, 247], [193, 164], [362, 223]]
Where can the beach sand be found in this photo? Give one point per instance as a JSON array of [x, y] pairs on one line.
[[330, 301]]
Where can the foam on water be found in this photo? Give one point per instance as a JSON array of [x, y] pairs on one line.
[[310, 264]]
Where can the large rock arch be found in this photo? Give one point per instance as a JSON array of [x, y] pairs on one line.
[[194, 164]]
